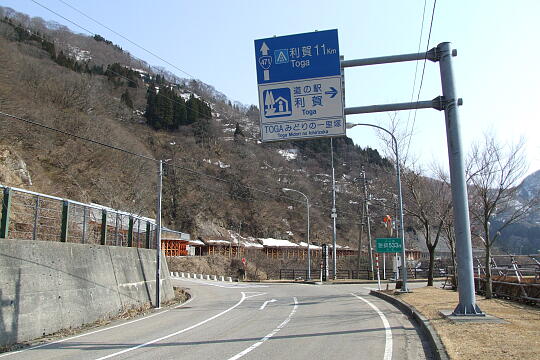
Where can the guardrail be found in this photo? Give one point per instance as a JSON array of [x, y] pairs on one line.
[[414, 273], [27, 215], [524, 292]]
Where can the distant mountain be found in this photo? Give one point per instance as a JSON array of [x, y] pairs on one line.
[[529, 189], [524, 237]]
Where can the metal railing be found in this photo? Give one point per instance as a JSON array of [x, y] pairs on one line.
[[414, 273], [27, 215]]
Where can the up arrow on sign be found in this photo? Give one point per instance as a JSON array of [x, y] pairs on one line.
[[264, 49]]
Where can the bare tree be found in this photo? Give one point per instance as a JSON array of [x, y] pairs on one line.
[[429, 205], [448, 220], [494, 172]]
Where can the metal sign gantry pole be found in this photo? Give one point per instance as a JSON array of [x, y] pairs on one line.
[[449, 103]]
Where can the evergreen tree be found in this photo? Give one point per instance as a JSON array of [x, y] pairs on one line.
[[126, 99]]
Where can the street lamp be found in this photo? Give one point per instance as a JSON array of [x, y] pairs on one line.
[[404, 287], [307, 236]]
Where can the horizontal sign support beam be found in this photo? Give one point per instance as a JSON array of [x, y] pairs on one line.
[[432, 55], [438, 104]]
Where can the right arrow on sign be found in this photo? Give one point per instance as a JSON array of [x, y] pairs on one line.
[[333, 92]]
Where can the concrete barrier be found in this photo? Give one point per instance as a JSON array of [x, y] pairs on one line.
[[222, 278], [214, 277], [229, 279], [48, 286]]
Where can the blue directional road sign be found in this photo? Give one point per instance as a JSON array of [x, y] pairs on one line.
[[300, 86]]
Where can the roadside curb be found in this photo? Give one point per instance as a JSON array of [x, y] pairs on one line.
[[437, 346]]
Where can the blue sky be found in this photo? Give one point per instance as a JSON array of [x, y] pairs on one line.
[[496, 68]]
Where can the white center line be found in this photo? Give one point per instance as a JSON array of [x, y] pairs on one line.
[[274, 332], [387, 329], [177, 332], [266, 303]]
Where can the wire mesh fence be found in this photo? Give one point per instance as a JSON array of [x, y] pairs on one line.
[[27, 215]]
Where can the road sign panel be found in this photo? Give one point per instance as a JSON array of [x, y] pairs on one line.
[[388, 245], [300, 87], [299, 56]]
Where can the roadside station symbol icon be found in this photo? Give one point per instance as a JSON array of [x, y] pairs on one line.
[[277, 102], [281, 56]]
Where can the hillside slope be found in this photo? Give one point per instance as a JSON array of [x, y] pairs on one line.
[[218, 177]]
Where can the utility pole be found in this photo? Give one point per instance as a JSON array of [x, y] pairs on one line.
[[158, 234], [360, 234], [334, 213], [396, 228], [368, 226]]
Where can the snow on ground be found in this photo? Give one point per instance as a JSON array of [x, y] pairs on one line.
[[222, 165], [196, 242], [251, 242], [217, 163], [311, 246], [277, 242], [186, 96], [79, 54], [289, 154], [218, 242]]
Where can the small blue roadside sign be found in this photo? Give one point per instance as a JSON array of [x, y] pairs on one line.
[[300, 86]]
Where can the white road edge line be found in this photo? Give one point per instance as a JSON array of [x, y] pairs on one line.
[[387, 329], [272, 333], [176, 332], [96, 331]]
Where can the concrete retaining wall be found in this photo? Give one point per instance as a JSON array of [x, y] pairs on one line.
[[49, 286]]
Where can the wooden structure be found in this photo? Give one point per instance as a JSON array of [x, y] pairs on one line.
[[174, 247]]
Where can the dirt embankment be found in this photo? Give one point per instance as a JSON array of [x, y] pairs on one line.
[[518, 338], [209, 265]]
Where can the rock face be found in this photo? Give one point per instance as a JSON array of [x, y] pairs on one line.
[[13, 169]]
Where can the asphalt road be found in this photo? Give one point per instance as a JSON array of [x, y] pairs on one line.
[[252, 321]]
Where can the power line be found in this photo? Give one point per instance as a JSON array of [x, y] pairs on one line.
[[112, 71], [423, 71], [195, 172], [76, 136], [125, 38], [63, 17], [108, 70], [416, 65]]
